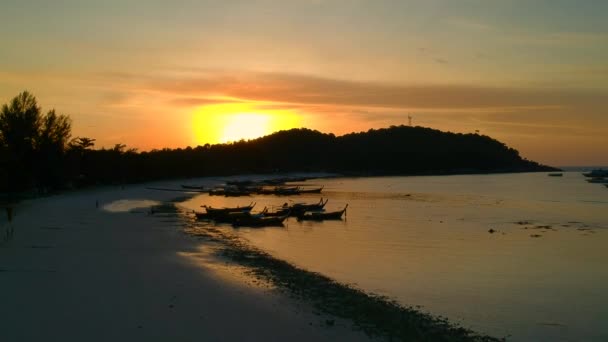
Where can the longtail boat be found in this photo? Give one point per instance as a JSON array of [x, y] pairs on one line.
[[279, 212], [320, 215], [597, 173], [227, 216], [264, 191], [311, 191], [219, 211], [301, 208], [236, 192], [193, 187], [259, 221], [203, 216], [217, 192], [284, 191]]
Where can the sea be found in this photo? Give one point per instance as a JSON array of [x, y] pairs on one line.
[[522, 256]]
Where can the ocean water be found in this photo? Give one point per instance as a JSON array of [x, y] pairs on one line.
[[542, 275]]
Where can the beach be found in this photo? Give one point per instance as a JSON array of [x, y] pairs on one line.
[[79, 268], [498, 254], [417, 258]]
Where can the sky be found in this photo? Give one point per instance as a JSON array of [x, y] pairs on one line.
[[154, 74]]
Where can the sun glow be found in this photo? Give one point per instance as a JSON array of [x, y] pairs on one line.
[[229, 122], [245, 126]]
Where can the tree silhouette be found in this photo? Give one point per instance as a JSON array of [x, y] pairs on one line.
[[35, 150], [81, 143], [19, 122], [52, 141], [33, 144]]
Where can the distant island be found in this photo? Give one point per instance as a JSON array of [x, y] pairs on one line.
[[36, 152]]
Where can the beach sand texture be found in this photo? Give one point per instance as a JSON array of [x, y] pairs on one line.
[[74, 272]]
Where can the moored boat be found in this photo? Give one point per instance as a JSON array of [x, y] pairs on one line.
[[240, 183], [221, 216], [259, 221], [193, 187], [218, 211], [555, 174], [300, 208], [285, 191], [203, 216], [279, 212], [596, 173], [311, 191], [236, 192], [217, 192], [599, 180], [321, 215]]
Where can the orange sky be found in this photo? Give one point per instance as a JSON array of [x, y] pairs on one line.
[[154, 75]]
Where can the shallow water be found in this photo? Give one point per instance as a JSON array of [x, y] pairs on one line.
[[425, 241]]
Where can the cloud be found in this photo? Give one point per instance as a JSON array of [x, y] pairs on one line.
[[198, 101], [303, 90]]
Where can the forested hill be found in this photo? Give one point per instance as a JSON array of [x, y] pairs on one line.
[[36, 152], [392, 151]]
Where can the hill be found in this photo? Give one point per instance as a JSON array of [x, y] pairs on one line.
[[397, 150]]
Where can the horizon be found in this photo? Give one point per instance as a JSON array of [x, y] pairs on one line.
[[172, 76]]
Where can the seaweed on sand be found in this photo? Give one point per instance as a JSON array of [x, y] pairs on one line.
[[375, 315]]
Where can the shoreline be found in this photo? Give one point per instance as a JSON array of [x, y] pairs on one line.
[[167, 222], [75, 272], [378, 316]]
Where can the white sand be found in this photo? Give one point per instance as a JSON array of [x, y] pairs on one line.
[[73, 272]]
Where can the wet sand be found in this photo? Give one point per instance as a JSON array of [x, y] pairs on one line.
[[75, 272]]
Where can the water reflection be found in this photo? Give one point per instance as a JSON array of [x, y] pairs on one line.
[[425, 241]]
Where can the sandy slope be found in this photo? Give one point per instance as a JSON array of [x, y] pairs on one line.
[[77, 273]]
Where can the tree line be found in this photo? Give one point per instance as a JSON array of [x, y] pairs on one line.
[[37, 151]]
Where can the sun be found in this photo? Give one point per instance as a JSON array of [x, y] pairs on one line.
[[244, 126], [230, 122]]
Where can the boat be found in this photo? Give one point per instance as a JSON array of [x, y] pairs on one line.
[[230, 191], [193, 187], [606, 185], [236, 192], [217, 192], [228, 217], [203, 216], [311, 191], [286, 191], [301, 208], [596, 173], [599, 180], [264, 191], [279, 212], [236, 216], [259, 221], [224, 211], [555, 174], [321, 215], [240, 183]]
